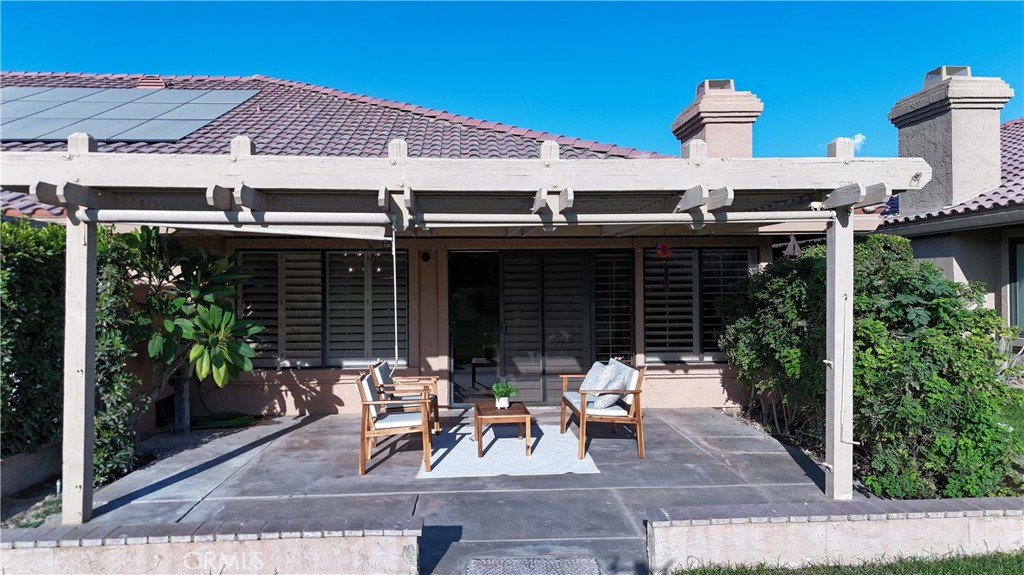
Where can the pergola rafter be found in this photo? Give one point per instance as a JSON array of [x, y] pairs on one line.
[[360, 198]]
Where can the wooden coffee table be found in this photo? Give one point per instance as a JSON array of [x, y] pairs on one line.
[[485, 412]]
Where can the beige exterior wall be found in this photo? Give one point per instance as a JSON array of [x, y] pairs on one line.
[[332, 390], [974, 255]]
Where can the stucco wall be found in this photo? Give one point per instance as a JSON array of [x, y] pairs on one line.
[[974, 255]]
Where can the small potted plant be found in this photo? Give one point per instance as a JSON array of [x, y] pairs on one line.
[[502, 390]]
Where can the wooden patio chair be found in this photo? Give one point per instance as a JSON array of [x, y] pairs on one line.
[[376, 422], [407, 387], [626, 410]]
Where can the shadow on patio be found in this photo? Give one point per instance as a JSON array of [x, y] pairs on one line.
[[299, 468]]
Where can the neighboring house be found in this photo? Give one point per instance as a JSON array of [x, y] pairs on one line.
[[969, 220], [512, 301]]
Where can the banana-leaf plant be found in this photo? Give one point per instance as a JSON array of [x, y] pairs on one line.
[[189, 298]]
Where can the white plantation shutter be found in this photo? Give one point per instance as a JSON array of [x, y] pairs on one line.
[[670, 298]]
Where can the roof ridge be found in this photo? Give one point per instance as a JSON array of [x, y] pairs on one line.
[[1012, 122], [468, 121]]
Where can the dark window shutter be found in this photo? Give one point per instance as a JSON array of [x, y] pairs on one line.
[[669, 305]]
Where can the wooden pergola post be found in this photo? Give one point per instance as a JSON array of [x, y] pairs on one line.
[[839, 358], [79, 370]]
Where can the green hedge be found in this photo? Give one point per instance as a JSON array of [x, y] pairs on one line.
[[31, 334], [32, 344], [928, 399]]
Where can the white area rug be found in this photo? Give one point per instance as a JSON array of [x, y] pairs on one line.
[[454, 453]]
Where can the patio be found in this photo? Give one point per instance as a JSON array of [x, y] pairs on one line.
[[305, 467]]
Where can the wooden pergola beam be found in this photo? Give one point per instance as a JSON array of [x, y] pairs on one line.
[[219, 197], [72, 194], [254, 200], [180, 171]]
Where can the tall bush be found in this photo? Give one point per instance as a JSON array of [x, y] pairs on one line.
[[31, 334], [927, 395], [32, 344], [120, 328]]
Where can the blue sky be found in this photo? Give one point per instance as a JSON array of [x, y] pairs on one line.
[[614, 72]]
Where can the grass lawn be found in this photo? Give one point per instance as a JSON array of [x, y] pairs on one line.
[[35, 515], [1013, 416], [994, 564]]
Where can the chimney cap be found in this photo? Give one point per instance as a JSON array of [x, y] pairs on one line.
[[943, 73], [724, 85]]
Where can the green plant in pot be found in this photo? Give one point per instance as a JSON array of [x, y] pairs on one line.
[[502, 390]]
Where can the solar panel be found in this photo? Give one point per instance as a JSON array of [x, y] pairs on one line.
[[116, 95], [98, 129], [161, 130], [32, 128], [74, 110], [196, 112], [15, 92], [172, 96], [115, 114], [62, 94], [137, 111], [23, 108]]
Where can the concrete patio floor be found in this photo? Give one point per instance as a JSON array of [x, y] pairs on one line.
[[305, 467]]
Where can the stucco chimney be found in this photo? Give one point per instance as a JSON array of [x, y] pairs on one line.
[[722, 117], [953, 123]]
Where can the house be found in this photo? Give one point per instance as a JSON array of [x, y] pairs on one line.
[[969, 220], [455, 246]]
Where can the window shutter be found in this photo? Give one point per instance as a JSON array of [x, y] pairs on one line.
[[346, 306], [613, 305], [720, 273], [360, 304], [257, 300], [301, 308], [382, 304], [670, 305]]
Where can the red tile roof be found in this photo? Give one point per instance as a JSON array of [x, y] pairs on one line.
[[292, 118], [1009, 194], [16, 205]]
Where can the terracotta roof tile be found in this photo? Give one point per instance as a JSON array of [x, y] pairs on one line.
[[293, 118], [1009, 194], [317, 120]]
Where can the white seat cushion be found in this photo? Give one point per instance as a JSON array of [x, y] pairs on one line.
[[398, 419], [615, 410], [413, 397]]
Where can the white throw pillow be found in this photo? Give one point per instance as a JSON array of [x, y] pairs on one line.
[[617, 375], [592, 380]]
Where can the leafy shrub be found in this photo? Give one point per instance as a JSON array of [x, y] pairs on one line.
[[927, 395], [120, 327], [31, 334], [32, 344]]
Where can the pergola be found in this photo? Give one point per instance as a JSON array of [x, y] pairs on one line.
[[374, 198]]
